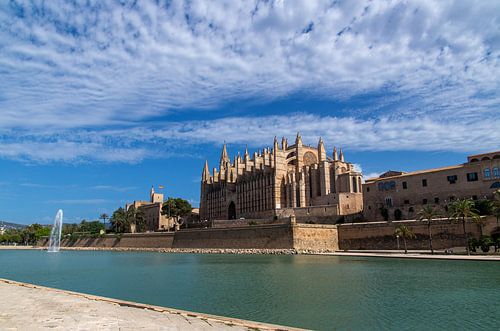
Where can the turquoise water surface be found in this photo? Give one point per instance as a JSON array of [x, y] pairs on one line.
[[318, 292]]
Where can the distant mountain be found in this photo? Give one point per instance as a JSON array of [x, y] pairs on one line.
[[9, 225]]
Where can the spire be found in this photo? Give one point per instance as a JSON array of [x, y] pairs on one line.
[[335, 155], [275, 144], [284, 143], [224, 158], [341, 155], [206, 173], [152, 192], [321, 150], [246, 156], [298, 139]]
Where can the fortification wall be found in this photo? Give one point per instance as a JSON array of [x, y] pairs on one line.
[[317, 214], [260, 237], [380, 235], [302, 237], [244, 222], [276, 236], [315, 237], [127, 240]]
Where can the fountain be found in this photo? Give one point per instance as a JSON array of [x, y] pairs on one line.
[[55, 233]]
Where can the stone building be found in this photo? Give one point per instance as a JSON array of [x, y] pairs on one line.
[[155, 221], [409, 192], [286, 180]]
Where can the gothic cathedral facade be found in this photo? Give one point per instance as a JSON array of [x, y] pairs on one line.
[[288, 180]]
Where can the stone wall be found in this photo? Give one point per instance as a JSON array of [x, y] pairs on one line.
[[316, 214], [380, 235], [302, 237], [245, 222], [127, 240], [275, 236], [315, 237], [263, 237]]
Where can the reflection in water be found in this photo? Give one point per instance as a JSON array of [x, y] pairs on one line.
[[318, 292]]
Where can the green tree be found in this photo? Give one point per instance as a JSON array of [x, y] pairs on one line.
[[463, 210], [404, 232], [11, 236], [428, 213], [119, 220], [176, 207], [104, 217], [69, 228], [140, 220], [92, 227], [137, 218], [32, 233], [484, 207]]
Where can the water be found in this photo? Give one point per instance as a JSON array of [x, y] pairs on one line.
[[319, 292], [55, 233]]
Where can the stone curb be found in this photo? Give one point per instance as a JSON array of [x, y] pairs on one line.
[[205, 317]]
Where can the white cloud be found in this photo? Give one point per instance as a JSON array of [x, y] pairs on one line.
[[71, 66], [82, 79], [79, 201], [113, 188], [359, 168], [371, 175], [135, 144]]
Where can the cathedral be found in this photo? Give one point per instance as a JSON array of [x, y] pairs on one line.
[[276, 183]]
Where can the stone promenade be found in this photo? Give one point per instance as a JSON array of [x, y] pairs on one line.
[[31, 307], [415, 255]]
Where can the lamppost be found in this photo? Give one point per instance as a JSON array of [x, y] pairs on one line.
[[397, 240]]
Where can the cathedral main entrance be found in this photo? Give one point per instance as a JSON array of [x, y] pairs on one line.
[[231, 212]]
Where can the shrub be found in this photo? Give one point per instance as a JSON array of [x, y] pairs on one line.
[[485, 243], [473, 244]]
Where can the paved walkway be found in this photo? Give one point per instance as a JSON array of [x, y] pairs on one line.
[[31, 307], [416, 255]]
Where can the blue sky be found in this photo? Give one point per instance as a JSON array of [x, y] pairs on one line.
[[99, 100]]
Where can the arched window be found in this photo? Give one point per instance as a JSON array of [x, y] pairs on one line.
[[487, 173], [495, 172], [388, 202]]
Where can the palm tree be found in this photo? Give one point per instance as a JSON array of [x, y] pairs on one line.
[[118, 220], [463, 210], [130, 218], [140, 220], [428, 213], [405, 232], [104, 217]]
